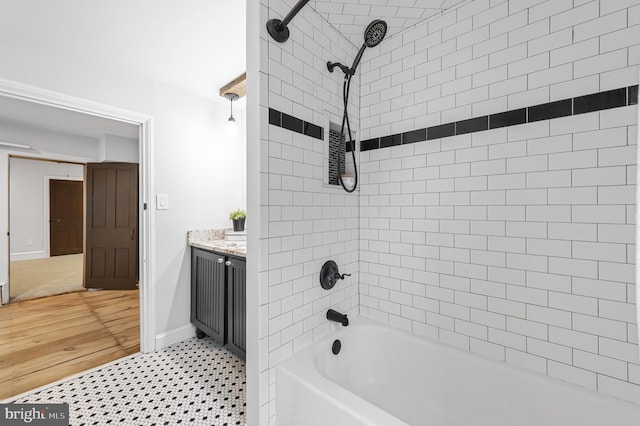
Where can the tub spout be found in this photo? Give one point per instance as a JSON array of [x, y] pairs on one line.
[[337, 317]]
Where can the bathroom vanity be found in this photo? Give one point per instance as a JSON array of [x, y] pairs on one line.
[[218, 289]]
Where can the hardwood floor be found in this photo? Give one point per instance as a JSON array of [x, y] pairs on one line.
[[44, 340]]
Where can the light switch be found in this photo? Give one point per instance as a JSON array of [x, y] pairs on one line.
[[162, 202]]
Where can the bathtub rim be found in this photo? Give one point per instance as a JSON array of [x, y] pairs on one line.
[[303, 363]]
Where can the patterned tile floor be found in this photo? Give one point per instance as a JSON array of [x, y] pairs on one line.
[[194, 382]]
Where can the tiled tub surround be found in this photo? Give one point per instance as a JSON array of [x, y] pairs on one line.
[[516, 243], [304, 222]]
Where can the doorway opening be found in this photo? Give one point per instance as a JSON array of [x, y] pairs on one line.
[[46, 228], [124, 319]]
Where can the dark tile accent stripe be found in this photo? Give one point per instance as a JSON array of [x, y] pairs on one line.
[[599, 101], [369, 144], [294, 124], [551, 110], [275, 117], [392, 140], [441, 131], [414, 136], [633, 95], [509, 118], [472, 125], [563, 108], [313, 130]]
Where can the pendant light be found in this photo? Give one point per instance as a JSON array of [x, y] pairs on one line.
[[231, 129]]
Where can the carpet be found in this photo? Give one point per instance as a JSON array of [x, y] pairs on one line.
[[31, 279]]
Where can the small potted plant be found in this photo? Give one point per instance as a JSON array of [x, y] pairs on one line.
[[238, 217]]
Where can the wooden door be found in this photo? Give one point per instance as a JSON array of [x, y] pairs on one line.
[[236, 306], [65, 217], [111, 246]]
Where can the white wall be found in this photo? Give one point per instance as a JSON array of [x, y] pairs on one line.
[[516, 243], [257, 119], [145, 67], [117, 148], [204, 176], [48, 143], [29, 181]]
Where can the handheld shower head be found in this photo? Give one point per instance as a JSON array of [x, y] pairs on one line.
[[373, 36], [375, 33]]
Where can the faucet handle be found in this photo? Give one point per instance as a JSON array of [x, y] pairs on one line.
[[329, 275]]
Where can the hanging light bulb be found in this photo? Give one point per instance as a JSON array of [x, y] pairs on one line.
[[231, 130]]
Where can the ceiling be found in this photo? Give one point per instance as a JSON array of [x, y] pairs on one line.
[[197, 46], [351, 17], [193, 32]]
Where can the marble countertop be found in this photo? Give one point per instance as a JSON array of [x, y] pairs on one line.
[[213, 240]]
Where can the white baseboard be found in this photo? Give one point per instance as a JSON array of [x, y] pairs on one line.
[[4, 293], [29, 255], [174, 336]]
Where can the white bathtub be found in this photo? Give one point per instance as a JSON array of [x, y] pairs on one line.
[[387, 377]]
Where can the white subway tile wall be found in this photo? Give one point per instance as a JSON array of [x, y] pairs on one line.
[[304, 222], [515, 243]]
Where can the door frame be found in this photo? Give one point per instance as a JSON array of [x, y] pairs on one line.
[[47, 212], [146, 223]]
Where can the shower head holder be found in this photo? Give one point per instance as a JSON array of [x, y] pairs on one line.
[[329, 275], [345, 69]]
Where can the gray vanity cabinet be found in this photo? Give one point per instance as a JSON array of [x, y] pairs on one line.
[[218, 298], [236, 305]]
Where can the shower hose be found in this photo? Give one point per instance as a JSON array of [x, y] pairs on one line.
[[345, 121]]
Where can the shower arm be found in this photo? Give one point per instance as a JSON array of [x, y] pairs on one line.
[[278, 29]]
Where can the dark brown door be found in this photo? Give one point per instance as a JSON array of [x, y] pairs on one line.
[[111, 254], [65, 217]]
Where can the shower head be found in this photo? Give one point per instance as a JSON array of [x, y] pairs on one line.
[[375, 33]]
